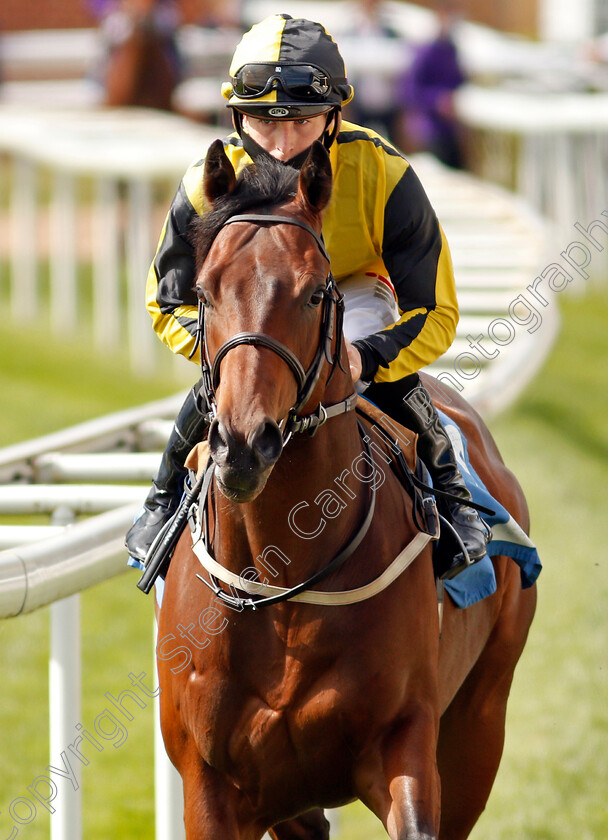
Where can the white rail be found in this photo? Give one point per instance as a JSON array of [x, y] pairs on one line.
[[55, 569], [49, 570], [561, 162], [88, 551], [497, 246], [110, 180]]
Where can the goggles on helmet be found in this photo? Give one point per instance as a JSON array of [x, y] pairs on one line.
[[299, 81]]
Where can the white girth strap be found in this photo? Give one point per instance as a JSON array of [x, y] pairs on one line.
[[349, 596]]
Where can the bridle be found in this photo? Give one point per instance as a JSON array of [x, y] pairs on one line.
[[331, 325], [198, 513]]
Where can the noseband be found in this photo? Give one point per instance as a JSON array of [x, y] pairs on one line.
[[331, 324]]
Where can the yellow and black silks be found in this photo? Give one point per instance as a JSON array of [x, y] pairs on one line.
[[379, 220]]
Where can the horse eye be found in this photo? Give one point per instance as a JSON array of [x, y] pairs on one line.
[[201, 296], [316, 298]]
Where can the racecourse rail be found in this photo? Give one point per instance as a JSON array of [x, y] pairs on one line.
[[72, 476], [102, 183]]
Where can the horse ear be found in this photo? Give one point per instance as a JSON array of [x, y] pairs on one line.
[[316, 178], [219, 178]]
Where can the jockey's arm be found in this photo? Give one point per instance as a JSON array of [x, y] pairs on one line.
[[170, 296], [417, 257]]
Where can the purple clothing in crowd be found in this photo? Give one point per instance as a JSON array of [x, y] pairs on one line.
[[100, 8], [434, 72]]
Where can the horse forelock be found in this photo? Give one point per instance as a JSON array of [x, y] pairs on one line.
[[266, 183]]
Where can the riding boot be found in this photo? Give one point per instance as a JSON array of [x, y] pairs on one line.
[[163, 499], [435, 449]]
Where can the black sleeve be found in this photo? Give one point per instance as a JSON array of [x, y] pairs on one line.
[[411, 249], [174, 264], [412, 244]]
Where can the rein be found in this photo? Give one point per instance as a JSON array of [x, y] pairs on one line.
[[306, 380]]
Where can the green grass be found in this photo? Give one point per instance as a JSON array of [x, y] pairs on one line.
[[552, 781], [47, 384]]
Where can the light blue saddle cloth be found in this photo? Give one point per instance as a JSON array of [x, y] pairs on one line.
[[508, 539]]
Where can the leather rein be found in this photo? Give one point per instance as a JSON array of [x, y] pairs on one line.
[[331, 325]]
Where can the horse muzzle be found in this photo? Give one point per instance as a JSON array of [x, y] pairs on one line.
[[243, 465]]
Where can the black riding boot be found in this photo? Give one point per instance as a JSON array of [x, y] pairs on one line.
[[417, 412], [163, 499]]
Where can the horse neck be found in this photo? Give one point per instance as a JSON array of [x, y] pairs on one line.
[[313, 496]]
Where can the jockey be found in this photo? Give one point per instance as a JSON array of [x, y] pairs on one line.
[[388, 254]]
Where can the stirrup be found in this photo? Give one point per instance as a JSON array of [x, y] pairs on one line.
[[462, 559]]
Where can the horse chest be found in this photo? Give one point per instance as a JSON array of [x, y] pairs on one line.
[[265, 706], [305, 748]]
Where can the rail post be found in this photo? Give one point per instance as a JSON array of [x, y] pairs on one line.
[[65, 698]]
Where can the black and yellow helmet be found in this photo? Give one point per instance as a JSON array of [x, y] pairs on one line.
[[286, 68]]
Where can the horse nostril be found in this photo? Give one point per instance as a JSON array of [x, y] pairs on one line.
[[267, 442], [218, 441]]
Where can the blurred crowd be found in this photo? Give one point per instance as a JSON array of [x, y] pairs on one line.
[[404, 94], [404, 90], [410, 98]]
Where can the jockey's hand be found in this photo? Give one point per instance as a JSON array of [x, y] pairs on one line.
[[354, 360]]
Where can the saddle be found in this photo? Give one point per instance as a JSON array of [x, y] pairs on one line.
[[393, 445], [400, 445]]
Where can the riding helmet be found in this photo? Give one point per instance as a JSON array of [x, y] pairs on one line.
[[286, 68]]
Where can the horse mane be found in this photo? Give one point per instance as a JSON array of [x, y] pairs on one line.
[[266, 183]]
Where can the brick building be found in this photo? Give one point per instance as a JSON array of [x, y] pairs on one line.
[[552, 18], [72, 14], [42, 14]]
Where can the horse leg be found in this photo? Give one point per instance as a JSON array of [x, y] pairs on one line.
[[210, 805], [309, 826], [402, 786], [471, 734]]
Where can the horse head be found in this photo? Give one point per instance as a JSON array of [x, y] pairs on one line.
[[142, 66], [267, 303]]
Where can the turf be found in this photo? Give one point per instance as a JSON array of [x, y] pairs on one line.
[[552, 781]]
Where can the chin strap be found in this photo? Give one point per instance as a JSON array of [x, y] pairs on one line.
[[328, 138]]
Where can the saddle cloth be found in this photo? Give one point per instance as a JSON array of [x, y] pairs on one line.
[[508, 538]]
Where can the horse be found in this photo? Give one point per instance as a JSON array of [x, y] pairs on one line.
[[276, 707], [142, 63]]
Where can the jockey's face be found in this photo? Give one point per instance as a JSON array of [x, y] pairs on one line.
[[284, 139]]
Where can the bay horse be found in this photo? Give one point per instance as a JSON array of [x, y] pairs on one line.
[[142, 66], [274, 713]]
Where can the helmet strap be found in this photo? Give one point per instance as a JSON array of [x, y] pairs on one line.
[[237, 121], [328, 138]]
